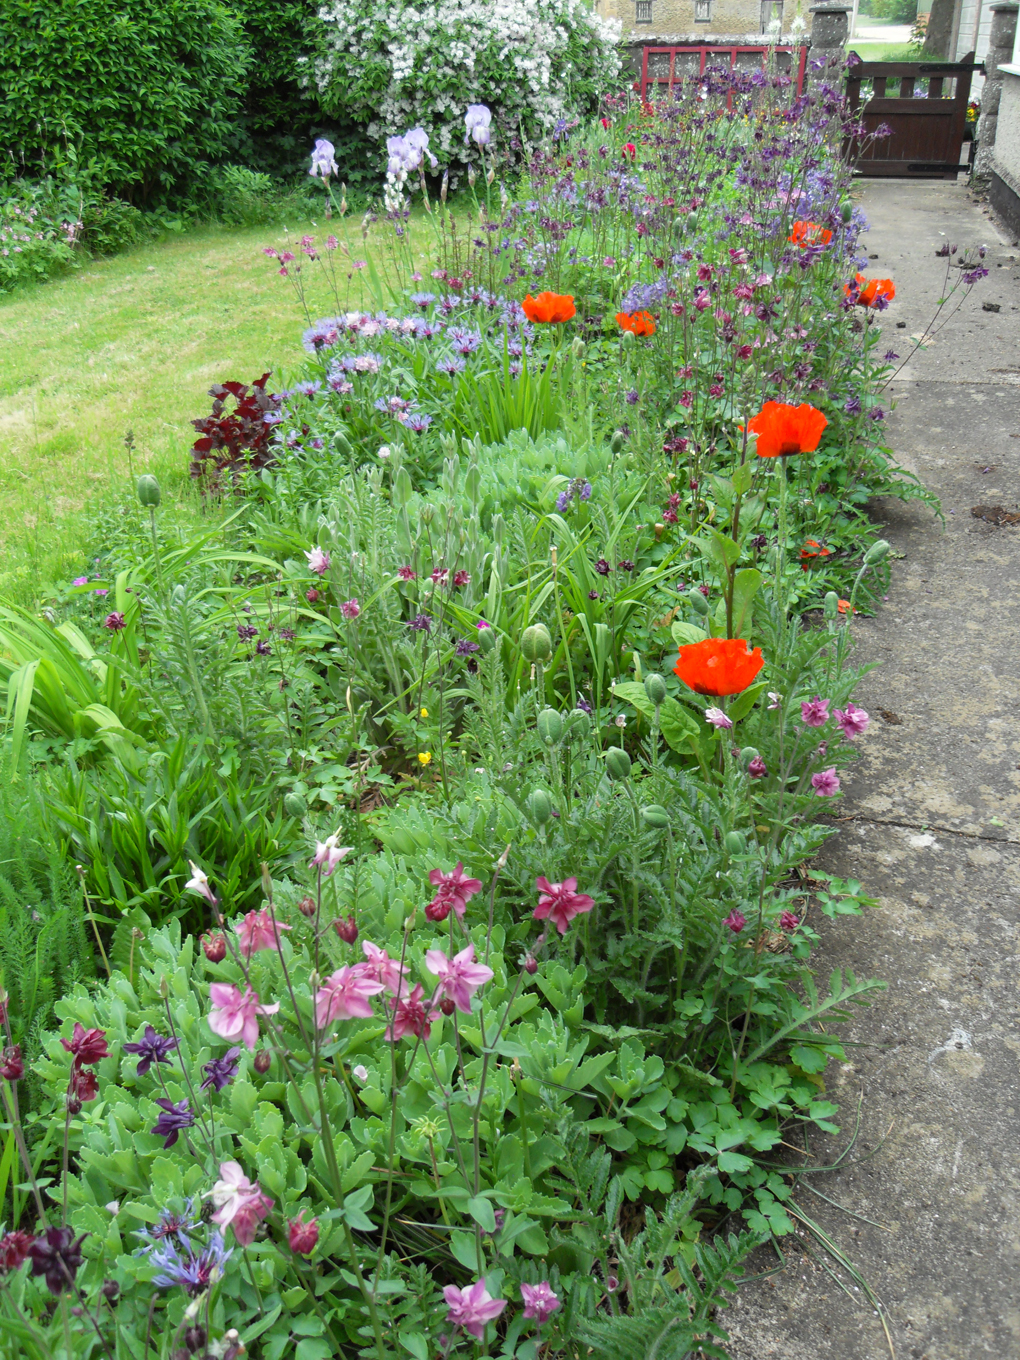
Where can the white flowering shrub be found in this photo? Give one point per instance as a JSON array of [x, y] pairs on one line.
[[396, 66]]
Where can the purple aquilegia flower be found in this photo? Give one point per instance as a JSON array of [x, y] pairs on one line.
[[826, 782], [465, 647], [583, 704], [851, 721], [151, 1048], [539, 1301], [221, 1071], [736, 921], [421, 623], [717, 718], [815, 712], [478, 125], [323, 162], [318, 561], [173, 1119], [263, 648], [56, 1255], [853, 406], [787, 921], [115, 621]]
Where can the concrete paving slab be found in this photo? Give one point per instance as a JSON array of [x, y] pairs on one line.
[[931, 827]]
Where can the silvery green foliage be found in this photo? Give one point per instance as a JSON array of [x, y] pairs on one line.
[[401, 65]]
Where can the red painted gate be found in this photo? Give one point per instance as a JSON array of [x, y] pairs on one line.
[[661, 67]]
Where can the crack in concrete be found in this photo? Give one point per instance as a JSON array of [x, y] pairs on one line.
[[927, 826]]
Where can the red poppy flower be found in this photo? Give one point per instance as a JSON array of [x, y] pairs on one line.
[[845, 607], [810, 234], [811, 552], [785, 429], [871, 291], [638, 323], [718, 666], [549, 308]]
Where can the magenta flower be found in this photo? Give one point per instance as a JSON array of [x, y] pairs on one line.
[[406, 573], [452, 891], [539, 1301], [560, 902], [301, 1236], [410, 1018], [350, 609], [736, 921], [381, 967], [235, 1015], [259, 930], [788, 921], [461, 579], [851, 721], [717, 718], [239, 1204], [472, 1308], [345, 995], [115, 622], [318, 561], [757, 768], [826, 782], [481, 625], [815, 712], [459, 977]]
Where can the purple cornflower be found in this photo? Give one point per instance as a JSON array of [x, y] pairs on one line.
[[826, 782], [169, 1224], [851, 721], [421, 623], [173, 1119], [815, 712], [221, 1071], [151, 1048], [423, 300], [451, 364], [464, 341]]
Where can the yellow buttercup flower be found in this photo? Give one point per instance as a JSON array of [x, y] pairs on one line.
[[424, 757], [424, 713]]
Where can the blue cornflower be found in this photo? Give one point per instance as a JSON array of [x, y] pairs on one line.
[[153, 1047], [170, 1224], [194, 1273], [451, 364], [418, 422], [423, 300]]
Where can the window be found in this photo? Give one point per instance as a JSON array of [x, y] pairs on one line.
[[702, 11], [771, 15], [643, 13]]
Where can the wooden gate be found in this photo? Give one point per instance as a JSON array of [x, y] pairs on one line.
[[662, 67], [927, 115]]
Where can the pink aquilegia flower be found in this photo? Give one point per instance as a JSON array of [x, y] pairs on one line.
[[199, 883], [259, 930], [815, 712], [235, 1015], [851, 721], [717, 718], [410, 1018], [239, 1203], [345, 995], [539, 1301], [452, 891], [787, 921], [472, 1308], [350, 609], [459, 977], [757, 768], [390, 972], [302, 1237], [318, 561], [826, 782], [560, 902], [328, 854], [736, 921], [406, 573]]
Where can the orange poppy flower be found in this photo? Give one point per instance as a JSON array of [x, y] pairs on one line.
[[785, 429], [549, 307], [640, 323], [844, 607], [810, 234], [718, 666], [811, 551], [870, 291]]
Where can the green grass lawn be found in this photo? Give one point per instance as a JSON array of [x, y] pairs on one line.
[[131, 342], [872, 51]]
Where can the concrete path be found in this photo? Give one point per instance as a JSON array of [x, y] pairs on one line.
[[932, 829]]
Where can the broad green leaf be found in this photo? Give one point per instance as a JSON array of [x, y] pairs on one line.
[[741, 706], [686, 633], [482, 1212]]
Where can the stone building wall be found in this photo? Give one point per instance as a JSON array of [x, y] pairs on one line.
[[647, 19]]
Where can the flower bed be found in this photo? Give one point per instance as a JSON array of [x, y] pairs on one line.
[[447, 799]]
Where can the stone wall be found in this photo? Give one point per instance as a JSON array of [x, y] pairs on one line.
[[644, 20], [999, 131]]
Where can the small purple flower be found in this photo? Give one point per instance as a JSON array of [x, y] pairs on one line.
[[815, 712], [418, 422], [263, 648], [625, 564], [890, 356], [563, 501], [757, 768], [193, 1273], [247, 631], [423, 300], [80, 581], [851, 721], [114, 621], [421, 623], [465, 647], [602, 567], [736, 921], [539, 1301], [826, 782], [221, 1071], [852, 406], [173, 1119], [323, 160], [151, 1048], [876, 414], [632, 397], [717, 718], [583, 704], [451, 364]]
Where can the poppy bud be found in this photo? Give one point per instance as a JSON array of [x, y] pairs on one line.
[[294, 805], [876, 552], [531, 964], [698, 602], [577, 347], [618, 764], [846, 212], [735, 843], [215, 947], [306, 906], [347, 930], [447, 1006], [262, 1061], [655, 815], [627, 339], [618, 440], [536, 643], [748, 754], [486, 638], [550, 726], [655, 688], [831, 606], [148, 491], [539, 806]]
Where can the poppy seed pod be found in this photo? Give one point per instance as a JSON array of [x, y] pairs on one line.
[[539, 806], [830, 608], [550, 726], [655, 688], [618, 764], [735, 843], [148, 491], [876, 552], [294, 805], [655, 815], [536, 643]]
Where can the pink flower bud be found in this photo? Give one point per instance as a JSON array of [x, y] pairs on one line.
[[302, 1237], [447, 1006], [306, 907], [347, 930], [262, 1061], [215, 947], [531, 964]]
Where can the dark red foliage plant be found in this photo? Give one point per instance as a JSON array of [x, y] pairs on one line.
[[233, 442]]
